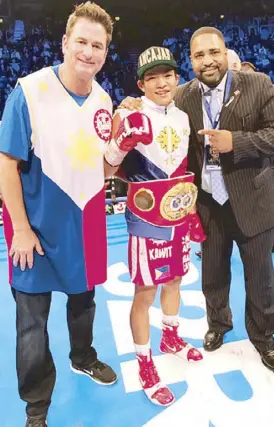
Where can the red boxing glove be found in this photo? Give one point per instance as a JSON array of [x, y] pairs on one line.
[[134, 129], [196, 231]]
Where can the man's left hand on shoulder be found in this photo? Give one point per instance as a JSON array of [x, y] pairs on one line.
[[220, 140]]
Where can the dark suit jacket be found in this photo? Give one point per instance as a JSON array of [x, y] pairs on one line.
[[247, 171]]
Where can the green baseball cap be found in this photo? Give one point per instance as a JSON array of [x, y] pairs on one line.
[[154, 56]]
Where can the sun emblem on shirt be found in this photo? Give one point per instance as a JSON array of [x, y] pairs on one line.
[[168, 139], [84, 151]]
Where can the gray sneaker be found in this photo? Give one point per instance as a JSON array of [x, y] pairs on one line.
[[36, 422], [98, 371]]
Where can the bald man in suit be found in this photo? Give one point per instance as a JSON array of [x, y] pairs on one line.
[[229, 153], [234, 62]]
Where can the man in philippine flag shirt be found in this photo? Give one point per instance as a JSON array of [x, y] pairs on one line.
[[55, 126]]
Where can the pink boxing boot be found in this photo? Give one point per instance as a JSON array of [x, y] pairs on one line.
[[157, 393], [173, 344]]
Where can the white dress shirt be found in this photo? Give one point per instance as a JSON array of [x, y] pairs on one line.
[[206, 174]]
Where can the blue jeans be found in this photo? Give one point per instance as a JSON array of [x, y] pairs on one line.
[[35, 367]]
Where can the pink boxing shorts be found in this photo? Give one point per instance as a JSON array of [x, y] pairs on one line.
[[154, 262]]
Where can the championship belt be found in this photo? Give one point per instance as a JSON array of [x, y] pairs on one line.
[[163, 202]]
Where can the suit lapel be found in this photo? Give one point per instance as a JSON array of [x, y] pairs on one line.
[[234, 96], [193, 101]]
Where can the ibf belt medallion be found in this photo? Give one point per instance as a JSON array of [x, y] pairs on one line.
[[178, 201]]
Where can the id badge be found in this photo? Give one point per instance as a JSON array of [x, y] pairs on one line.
[[212, 159]]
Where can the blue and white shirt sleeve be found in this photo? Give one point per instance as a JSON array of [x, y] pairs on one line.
[[15, 130]]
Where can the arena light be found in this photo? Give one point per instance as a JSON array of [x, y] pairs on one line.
[[117, 18], [222, 16], [1, 20]]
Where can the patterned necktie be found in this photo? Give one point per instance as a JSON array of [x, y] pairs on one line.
[[219, 192]]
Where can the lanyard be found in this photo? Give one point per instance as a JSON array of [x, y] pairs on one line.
[[215, 123]]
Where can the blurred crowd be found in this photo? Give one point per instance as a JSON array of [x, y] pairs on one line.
[[40, 46]]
